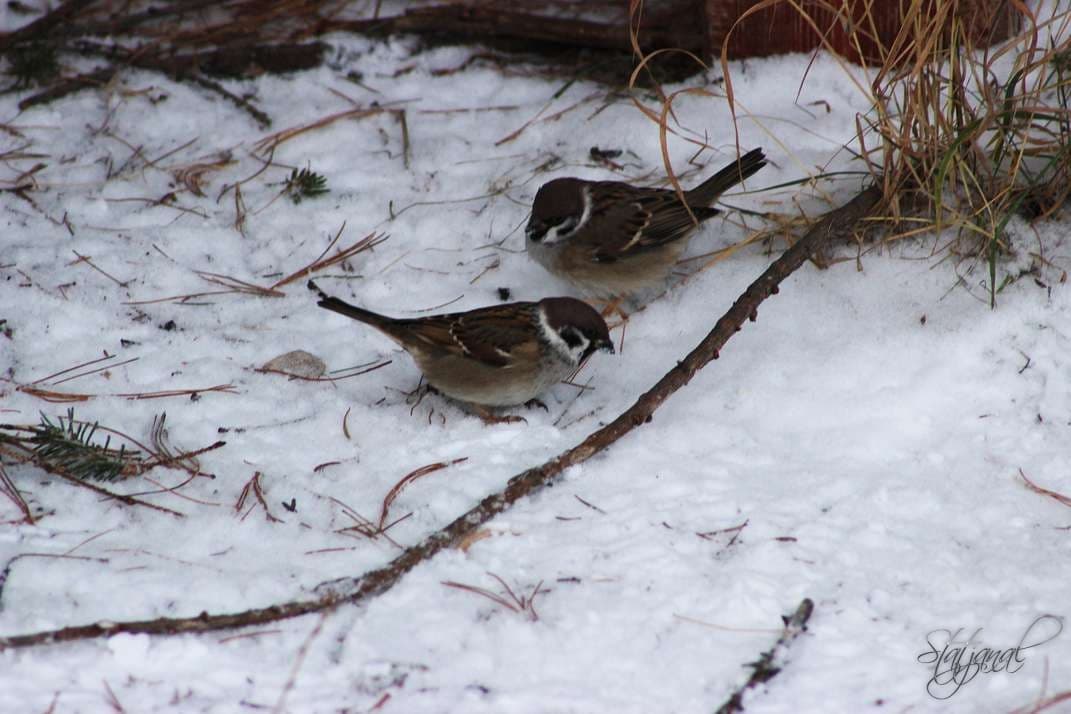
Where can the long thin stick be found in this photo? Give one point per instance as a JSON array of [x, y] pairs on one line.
[[769, 662], [837, 223]]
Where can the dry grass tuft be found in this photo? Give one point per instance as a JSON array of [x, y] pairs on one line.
[[962, 136]]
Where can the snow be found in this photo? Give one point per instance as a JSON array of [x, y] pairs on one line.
[[873, 455]]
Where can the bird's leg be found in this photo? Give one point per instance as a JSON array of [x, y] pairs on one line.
[[532, 403], [621, 340], [612, 306], [616, 306], [489, 418], [418, 394]]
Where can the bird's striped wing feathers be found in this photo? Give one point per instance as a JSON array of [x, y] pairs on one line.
[[636, 220], [493, 336]]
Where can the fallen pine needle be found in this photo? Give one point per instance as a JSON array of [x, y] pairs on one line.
[[1059, 497]]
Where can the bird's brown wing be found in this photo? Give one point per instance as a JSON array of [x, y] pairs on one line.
[[634, 220], [495, 336]]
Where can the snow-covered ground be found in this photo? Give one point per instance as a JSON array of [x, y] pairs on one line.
[[867, 432]]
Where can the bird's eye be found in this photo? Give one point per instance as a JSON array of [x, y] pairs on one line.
[[552, 232], [572, 337], [566, 225]]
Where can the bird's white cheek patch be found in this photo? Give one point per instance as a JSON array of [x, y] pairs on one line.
[[579, 350], [560, 346], [553, 236], [556, 234]]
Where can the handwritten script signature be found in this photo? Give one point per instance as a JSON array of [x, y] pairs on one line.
[[956, 662]]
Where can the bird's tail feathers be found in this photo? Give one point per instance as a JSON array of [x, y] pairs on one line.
[[351, 311], [707, 192]]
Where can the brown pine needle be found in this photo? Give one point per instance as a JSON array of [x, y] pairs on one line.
[[91, 264], [1058, 497], [237, 286], [8, 488], [369, 242], [64, 397], [511, 601], [273, 141], [408, 479], [252, 486], [77, 366]]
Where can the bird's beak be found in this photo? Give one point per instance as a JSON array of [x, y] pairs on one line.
[[534, 231], [603, 345]]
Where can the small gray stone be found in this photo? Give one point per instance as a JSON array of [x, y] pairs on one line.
[[298, 363]]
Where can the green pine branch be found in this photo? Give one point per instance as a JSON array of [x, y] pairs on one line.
[[68, 446], [305, 184]]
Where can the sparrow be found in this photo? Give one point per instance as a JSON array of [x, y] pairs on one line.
[[611, 239], [494, 356]]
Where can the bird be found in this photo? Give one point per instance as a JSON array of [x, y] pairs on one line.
[[496, 356], [613, 240]]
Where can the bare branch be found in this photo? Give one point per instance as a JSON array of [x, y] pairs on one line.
[[833, 225]]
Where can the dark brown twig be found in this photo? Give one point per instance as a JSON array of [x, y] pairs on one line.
[[42, 25], [471, 20], [835, 224], [767, 666], [399, 114], [241, 102]]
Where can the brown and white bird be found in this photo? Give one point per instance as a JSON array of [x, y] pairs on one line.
[[611, 239], [494, 356]]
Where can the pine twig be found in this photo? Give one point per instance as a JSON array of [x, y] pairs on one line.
[[306, 183], [768, 664], [69, 448]]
